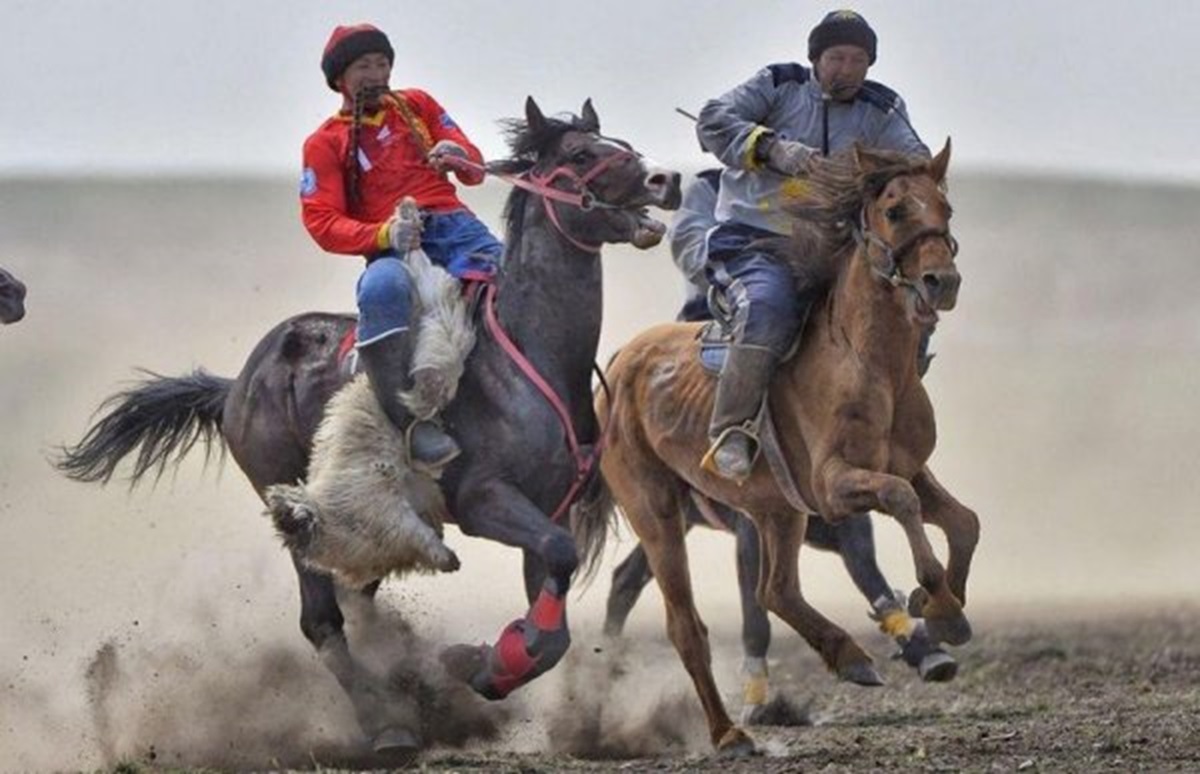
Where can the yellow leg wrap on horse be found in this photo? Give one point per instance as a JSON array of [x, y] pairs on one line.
[[755, 690], [896, 623]]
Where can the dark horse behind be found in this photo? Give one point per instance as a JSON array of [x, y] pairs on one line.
[[12, 298], [579, 190]]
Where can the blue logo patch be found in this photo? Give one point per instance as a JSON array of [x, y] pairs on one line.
[[447, 121], [308, 182]]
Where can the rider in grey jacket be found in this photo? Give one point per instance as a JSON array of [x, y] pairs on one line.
[[767, 131]]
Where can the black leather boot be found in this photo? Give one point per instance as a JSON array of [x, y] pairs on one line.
[[734, 429], [386, 362]]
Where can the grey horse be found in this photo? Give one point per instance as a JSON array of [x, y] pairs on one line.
[[577, 190]]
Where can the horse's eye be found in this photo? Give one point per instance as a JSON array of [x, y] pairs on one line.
[[581, 156], [894, 214]]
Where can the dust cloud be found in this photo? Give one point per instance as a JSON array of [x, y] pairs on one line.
[[164, 622]]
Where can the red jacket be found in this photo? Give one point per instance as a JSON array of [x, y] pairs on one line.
[[392, 164]]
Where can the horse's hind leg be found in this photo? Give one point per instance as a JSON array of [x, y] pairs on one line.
[[628, 580], [779, 591], [960, 524], [854, 540], [756, 627], [391, 724], [531, 645], [652, 509]]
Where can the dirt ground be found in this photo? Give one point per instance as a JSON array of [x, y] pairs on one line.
[[1084, 690]]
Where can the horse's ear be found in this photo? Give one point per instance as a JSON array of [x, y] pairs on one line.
[[940, 162], [864, 161], [533, 116], [588, 117]]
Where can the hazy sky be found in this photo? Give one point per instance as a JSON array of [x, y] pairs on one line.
[[1098, 87]]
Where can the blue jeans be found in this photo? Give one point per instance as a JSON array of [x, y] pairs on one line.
[[759, 290], [457, 241]]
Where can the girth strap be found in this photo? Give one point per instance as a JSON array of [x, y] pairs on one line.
[[769, 443]]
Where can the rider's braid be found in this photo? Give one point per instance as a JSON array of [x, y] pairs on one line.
[[352, 193]]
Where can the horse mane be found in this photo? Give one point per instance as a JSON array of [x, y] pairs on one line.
[[827, 213], [526, 145]]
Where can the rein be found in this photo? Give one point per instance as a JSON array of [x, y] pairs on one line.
[[585, 460], [582, 198]]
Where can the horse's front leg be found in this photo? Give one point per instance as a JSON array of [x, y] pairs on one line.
[[389, 721], [960, 524], [854, 539], [845, 489], [531, 645]]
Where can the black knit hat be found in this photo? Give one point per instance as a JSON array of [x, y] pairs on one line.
[[841, 28], [349, 43]]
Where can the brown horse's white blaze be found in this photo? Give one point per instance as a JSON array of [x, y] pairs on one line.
[[855, 424]]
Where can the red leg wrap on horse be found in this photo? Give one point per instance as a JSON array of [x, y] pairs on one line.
[[547, 611], [512, 660]]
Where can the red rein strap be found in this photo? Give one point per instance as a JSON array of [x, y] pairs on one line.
[[584, 463], [541, 185]]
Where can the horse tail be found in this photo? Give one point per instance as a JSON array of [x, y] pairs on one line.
[[161, 418], [591, 518]]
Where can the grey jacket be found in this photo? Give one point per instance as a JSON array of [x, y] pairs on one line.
[[786, 100], [689, 230]]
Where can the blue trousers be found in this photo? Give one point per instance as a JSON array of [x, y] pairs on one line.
[[457, 241], [758, 291]]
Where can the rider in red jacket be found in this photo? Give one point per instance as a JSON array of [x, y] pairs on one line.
[[381, 147]]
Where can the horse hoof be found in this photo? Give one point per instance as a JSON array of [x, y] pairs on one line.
[[449, 562], [861, 674], [952, 631], [735, 743], [777, 712], [938, 667], [396, 746], [463, 662]]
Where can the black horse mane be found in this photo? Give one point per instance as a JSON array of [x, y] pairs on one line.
[[526, 146], [829, 211]]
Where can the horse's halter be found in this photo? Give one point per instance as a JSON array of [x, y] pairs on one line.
[[582, 198], [542, 184], [867, 239]]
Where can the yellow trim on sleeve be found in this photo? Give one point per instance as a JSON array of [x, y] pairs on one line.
[[748, 160], [383, 239]]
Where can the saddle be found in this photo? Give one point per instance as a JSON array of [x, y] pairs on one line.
[[714, 338]]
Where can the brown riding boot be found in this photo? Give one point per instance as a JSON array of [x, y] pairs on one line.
[[386, 362], [734, 429]]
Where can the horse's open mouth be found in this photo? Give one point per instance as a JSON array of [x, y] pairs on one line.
[[920, 312], [647, 232]]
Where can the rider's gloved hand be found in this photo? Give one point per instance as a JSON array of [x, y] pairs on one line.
[[788, 157], [444, 149], [448, 149], [404, 228]]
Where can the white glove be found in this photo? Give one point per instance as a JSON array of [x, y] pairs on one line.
[[788, 157], [443, 149], [404, 229]]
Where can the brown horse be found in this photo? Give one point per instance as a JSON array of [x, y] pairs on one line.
[[853, 423]]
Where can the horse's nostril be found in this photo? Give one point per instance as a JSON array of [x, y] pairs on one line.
[[941, 282], [657, 180]]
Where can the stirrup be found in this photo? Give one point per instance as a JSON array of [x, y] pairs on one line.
[[749, 431], [433, 467]]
